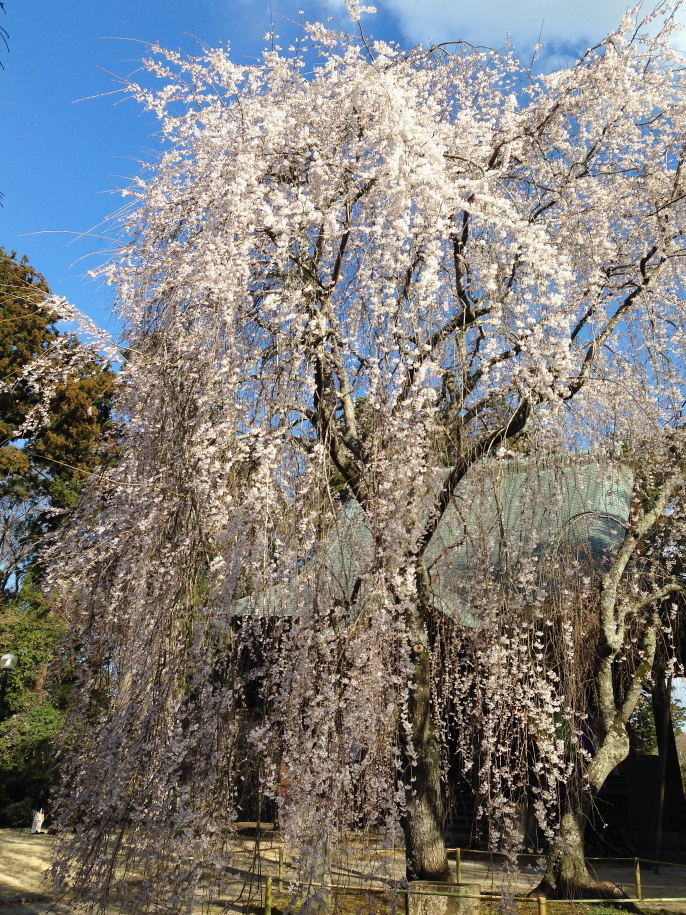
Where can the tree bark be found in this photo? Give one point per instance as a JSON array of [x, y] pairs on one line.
[[567, 876], [423, 822]]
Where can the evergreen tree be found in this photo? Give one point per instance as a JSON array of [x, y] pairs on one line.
[[41, 474], [642, 722]]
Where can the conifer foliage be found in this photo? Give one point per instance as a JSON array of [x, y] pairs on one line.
[[44, 463], [43, 467]]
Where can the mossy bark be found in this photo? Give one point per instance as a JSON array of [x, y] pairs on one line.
[[567, 876]]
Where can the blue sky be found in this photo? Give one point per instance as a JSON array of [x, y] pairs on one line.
[[61, 159]]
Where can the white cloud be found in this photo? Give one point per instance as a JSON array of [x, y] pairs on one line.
[[565, 26]]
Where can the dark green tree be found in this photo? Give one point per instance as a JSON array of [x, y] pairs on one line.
[[642, 722], [42, 471]]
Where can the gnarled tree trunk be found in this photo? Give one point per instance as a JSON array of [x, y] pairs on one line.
[[567, 876]]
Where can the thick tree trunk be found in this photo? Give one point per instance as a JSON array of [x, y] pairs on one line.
[[424, 838], [567, 876]]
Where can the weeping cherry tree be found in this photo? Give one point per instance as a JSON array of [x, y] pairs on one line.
[[358, 277]]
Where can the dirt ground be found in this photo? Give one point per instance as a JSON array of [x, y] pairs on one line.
[[23, 860], [24, 889]]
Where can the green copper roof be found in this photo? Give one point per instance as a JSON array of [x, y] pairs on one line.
[[503, 520]]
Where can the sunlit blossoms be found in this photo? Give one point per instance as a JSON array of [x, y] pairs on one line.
[[359, 284]]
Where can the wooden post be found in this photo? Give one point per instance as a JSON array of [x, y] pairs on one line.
[[637, 878], [268, 896], [458, 866], [542, 905], [663, 775], [281, 868], [407, 901]]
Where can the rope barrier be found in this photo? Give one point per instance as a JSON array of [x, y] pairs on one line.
[[459, 857], [407, 891], [540, 901]]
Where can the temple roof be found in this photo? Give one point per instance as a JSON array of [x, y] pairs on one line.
[[510, 527]]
